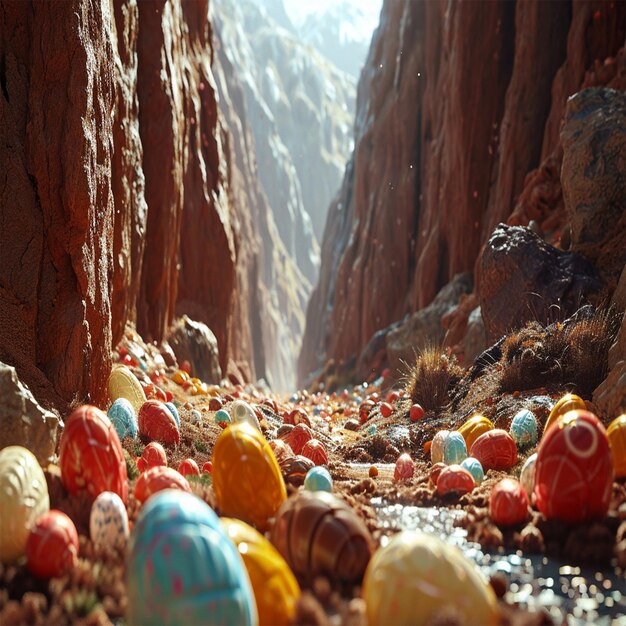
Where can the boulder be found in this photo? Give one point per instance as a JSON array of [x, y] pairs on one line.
[[22, 421], [593, 177], [194, 342], [521, 278]]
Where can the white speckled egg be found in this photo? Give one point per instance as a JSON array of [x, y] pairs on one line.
[[241, 411], [23, 499], [527, 476], [108, 521]]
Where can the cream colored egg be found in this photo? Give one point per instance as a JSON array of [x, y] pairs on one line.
[[23, 499], [124, 384], [108, 522], [241, 411], [527, 476]]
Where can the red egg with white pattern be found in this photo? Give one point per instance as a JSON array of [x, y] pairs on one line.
[[574, 471], [157, 422], [315, 450], [456, 480], [495, 450], [189, 467], [153, 455], [298, 437], [157, 479], [508, 504], [52, 545]]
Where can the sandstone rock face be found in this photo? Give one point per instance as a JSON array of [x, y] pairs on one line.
[[453, 112], [22, 421], [593, 176], [522, 278]]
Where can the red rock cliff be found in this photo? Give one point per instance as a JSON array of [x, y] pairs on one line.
[[457, 103]]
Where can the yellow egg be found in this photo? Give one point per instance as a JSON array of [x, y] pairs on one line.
[[616, 433], [275, 587], [23, 499], [474, 427], [415, 575], [180, 377], [246, 477], [569, 402], [124, 384]]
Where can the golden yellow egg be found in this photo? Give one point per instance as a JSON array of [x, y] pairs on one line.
[[275, 587], [616, 433], [569, 402], [416, 575], [246, 477], [474, 427], [124, 384]]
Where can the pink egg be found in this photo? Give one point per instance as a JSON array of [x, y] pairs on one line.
[[52, 546], [405, 467]]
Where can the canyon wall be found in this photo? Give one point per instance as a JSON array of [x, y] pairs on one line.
[[122, 196], [456, 104]]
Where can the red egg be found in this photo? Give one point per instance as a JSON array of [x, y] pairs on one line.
[[416, 413], [385, 409], [90, 454], [508, 503], [405, 467], [156, 422], [298, 437], [157, 479], [315, 450], [52, 546], [495, 450], [298, 416], [454, 479], [435, 470], [189, 467], [574, 472], [208, 467], [392, 397], [153, 455]]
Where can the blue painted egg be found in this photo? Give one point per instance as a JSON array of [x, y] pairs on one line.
[[524, 429], [222, 416], [318, 479], [454, 448], [123, 417], [372, 430], [174, 411], [183, 568], [474, 467]]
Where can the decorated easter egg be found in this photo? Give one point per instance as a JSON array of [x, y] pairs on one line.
[[495, 449], [318, 479], [52, 546], [241, 411], [454, 448], [207, 467], [246, 476], [157, 479], [281, 450], [298, 436], [437, 447], [171, 407], [574, 472], [108, 521], [508, 503], [23, 498], [122, 416], [456, 480], [124, 384], [435, 470], [527, 475], [295, 468], [474, 467], [524, 428], [90, 454], [157, 423], [417, 575], [569, 402], [183, 569], [405, 467], [416, 412], [189, 467], [474, 427], [222, 417], [276, 590], [616, 433], [315, 450], [153, 455], [318, 534]]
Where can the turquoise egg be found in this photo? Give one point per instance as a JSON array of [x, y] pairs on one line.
[[474, 467], [222, 416], [182, 567], [318, 479], [122, 416], [524, 429], [174, 411], [454, 449], [372, 430]]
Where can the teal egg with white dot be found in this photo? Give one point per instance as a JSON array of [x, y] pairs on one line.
[[475, 468], [524, 428], [222, 416], [372, 430], [454, 449], [318, 479], [123, 417], [174, 411]]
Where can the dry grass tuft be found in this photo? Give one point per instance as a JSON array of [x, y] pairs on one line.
[[432, 378]]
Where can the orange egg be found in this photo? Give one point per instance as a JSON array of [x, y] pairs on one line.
[[474, 427], [569, 402], [616, 433], [157, 479]]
